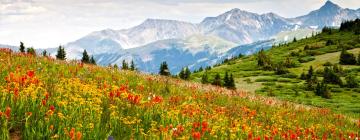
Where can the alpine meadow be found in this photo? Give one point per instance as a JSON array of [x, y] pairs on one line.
[[239, 75]]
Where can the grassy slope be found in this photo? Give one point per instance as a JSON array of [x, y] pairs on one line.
[[252, 78], [42, 98]]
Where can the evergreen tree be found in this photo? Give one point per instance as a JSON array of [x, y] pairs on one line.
[[205, 78], [85, 58], [231, 84], [187, 73], [22, 47], [61, 54], [201, 68], [263, 60], [92, 60], [31, 51], [322, 90], [294, 40], [132, 66], [303, 76], [182, 73], [310, 73], [125, 65], [351, 82], [331, 77], [358, 59], [347, 58], [44, 53], [164, 70], [226, 80], [217, 80]]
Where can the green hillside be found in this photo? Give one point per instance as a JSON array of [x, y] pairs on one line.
[[282, 76]]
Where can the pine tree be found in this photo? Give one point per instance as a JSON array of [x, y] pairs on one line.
[[22, 47], [164, 70], [331, 77], [294, 40], [201, 68], [303, 76], [44, 53], [61, 54], [322, 90], [187, 73], [217, 80], [182, 74], [125, 65], [132, 66], [226, 80], [92, 60], [231, 84], [310, 73], [31, 51], [205, 78], [85, 58]]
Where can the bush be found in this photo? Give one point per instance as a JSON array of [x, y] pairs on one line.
[[351, 82], [322, 90], [330, 42], [306, 59], [347, 58]]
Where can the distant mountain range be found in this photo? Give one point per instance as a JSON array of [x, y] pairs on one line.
[[202, 44]]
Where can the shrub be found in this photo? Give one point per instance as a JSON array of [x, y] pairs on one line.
[[306, 59], [351, 82], [347, 58], [322, 90]]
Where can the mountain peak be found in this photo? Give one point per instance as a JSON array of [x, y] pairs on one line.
[[330, 5]]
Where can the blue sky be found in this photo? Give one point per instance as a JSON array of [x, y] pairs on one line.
[[49, 23]]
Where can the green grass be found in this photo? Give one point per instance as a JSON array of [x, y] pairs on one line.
[[289, 87]]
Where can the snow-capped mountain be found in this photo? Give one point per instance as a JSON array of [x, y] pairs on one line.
[[243, 27], [328, 15], [201, 44]]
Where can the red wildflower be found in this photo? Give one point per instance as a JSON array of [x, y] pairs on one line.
[[111, 94], [43, 102], [157, 99], [30, 73], [204, 124], [8, 112], [52, 108], [196, 135], [250, 135], [16, 92], [72, 133], [78, 135]]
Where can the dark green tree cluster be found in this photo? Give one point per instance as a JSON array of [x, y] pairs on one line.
[[86, 59], [352, 25], [61, 54], [227, 60], [31, 51], [311, 79], [331, 77], [164, 70], [327, 30], [126, 66], [228, 80], [264, 60], [347, 58], [351, 81], [322, 90], [45, 53], [185, 73]]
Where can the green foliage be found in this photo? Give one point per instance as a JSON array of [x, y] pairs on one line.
[[205, 78], [229, 81], [351, 82], [132, 66], [347, 58], [22, 47], [322, 90], [61, 54], [44, 53], [31, 51], [125, 65], [217, 80], [185, 73], [306, 59], [353, 26], [85, 58], [164, 70], [330, 42], [92, 60], [327, 64], [263, 60], [330, 77]]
